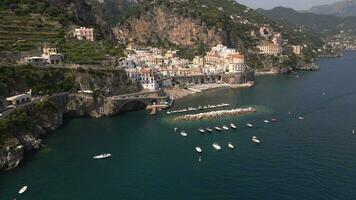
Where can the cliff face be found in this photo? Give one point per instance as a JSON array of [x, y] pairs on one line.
[[158, 27], [44, 119]]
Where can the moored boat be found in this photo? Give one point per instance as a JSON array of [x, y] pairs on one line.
[[198, 149], [184, 134], [102, 156], [23, 189], [233, 126], [255, 140], [225, 127], [216, 146], [209, 130], [201, 130], [274, 120], [266, 121], [249, 125], [218, 128], [230, 145], [175, 129], [301, 118]]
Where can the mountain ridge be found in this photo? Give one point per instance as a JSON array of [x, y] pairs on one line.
[[345, 8]]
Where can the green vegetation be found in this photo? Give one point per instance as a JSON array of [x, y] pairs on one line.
[[22, 121], [320, 25], [40, 80], [28, 24]]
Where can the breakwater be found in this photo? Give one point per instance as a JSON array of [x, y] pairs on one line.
[[216, 114]]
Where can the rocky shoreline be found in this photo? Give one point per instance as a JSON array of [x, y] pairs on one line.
[[216, 114]]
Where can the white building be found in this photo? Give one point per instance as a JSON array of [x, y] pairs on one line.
[[19, 99], [52, 56], [149, 79]]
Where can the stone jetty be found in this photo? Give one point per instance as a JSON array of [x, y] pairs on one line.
[[216, 114]]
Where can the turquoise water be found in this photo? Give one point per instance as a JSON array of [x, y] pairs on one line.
[[310, 159]]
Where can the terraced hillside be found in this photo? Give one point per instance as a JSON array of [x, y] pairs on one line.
[[25, 32]]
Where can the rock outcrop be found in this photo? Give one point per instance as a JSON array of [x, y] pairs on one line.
[[158, 27], [45, 120]]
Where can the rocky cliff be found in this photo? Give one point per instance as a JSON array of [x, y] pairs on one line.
[[161, 28], [23, 132]]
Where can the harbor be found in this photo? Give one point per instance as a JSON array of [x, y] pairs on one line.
[[151, 161]]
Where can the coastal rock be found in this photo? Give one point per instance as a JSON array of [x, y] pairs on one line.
[[12, 154]]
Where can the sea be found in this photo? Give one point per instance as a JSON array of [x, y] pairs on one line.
[[310, 159]]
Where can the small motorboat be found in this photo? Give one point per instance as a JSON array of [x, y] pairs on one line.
[[324, 93], [255, 140], [102, 156], [199, 159], [201, 130], [175, 129], [209, 130], [249, 125], [230, 145], [267, 122], [217, 128], [198, 149], [301, 118], [169, 113], [184, 134], [23, 189], [233, 126], [225, 127], [353, 131], [274, 120], [216, 146]]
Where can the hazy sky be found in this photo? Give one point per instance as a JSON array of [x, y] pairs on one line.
[[296, 4]]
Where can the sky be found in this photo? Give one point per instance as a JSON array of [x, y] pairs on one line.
[[295, 4]]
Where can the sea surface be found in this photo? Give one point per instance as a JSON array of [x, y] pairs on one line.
[[310, 159]]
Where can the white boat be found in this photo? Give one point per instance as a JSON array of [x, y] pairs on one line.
[[175, 129], [184, 134], [199, 159], [353, 131], [274, 120], [198, 149], [266, 121], [102, 156], [216, 146], [201, 130], [217, 128], [255, 140], [249, 125], [233, 126], [301, 118], [23, 189], [225, 127], [231, 146], [209, 130], [169, 113]]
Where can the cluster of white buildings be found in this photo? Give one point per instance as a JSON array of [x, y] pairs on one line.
[[154, 68]]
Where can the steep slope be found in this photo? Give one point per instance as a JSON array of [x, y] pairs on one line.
[[28, 24], [344, 8]]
